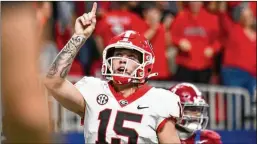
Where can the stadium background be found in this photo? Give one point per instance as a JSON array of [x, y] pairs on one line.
[[159, 20]]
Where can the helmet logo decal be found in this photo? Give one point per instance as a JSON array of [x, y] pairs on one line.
[[186, 96], [127, 35]]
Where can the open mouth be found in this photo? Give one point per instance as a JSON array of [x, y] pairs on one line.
[[122, 70]]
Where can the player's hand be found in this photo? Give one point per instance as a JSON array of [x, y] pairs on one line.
[[167, 21], [85, 24], [208, 52], [185, 45]]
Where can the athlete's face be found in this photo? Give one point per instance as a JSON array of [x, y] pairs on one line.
[[193, 111], [195, 117], [125, 61]]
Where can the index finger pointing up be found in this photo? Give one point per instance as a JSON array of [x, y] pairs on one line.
[[93, 11]]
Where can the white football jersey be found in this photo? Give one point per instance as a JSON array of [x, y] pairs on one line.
[[111, 118]]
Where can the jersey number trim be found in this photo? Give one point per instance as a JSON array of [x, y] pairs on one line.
[[104, 117]]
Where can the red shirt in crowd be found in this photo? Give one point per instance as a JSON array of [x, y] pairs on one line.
[[159, 47], [116, 22], [201, 31], [240, 50]]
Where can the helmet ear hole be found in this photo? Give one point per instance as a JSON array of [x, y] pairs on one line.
[[149, 70], [110, 52]]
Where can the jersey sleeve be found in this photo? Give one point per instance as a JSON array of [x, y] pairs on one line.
[[170, 109], [86, 85]]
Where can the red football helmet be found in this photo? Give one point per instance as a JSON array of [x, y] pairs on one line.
[[195, 109], [131, 40]]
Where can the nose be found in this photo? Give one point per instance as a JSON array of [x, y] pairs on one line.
[[123, 59], [196, 113]]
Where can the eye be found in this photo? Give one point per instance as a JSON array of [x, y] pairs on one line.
[[132, 57], [118, 54]]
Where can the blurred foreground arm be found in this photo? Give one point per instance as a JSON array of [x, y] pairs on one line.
[[24, 102]]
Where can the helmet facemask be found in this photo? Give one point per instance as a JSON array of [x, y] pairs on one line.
[[195, 117], [122, 71], [132, 70]]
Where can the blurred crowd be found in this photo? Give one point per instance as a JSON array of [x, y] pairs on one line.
[[199, 42]]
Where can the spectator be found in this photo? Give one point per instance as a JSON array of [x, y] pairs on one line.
[[213, 7], [155, 32], [251, 4], [134, 7], [115, 22], [167, 8], [239, 64], [195, 32]]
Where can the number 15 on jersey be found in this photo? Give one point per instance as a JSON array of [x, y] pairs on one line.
[[118, 128]]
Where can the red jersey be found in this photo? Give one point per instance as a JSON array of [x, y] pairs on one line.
[[201, 31], [206, 137], [111, 118]]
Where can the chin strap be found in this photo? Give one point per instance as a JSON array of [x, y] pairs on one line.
[[183, 129], [152, 75], [136, 81]]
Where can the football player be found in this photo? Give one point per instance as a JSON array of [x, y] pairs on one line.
[[123, 109], [192, 126]]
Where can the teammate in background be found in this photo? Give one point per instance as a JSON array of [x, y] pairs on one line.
[[25, 110], [192, 126], [124, 109]]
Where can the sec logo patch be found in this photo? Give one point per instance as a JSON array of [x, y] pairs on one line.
[[102, 99]]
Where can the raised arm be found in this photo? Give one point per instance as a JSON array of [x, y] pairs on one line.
[[226, 22], [55, 81]]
